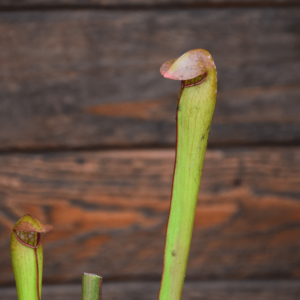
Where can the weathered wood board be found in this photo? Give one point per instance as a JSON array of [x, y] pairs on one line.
[[110, 209], [143, 3], [195, 290], [60, 71]]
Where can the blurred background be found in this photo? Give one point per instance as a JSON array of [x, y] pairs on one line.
[[87, 136]]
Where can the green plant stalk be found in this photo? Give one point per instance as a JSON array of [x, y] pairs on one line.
[[195, 109], [27, 257], [91, 287]]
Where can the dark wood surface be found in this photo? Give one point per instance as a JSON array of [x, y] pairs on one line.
[[62, 72], [109, 210], [48, 4], [196, 290]]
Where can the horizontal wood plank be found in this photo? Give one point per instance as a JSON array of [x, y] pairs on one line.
[[109, 210], [141, 3], [200, 290], [69, 79]]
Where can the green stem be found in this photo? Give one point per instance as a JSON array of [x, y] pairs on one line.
[[194, 114], [91, 287]]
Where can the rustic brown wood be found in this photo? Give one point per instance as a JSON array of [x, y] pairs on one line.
[[200, 290], [260, 115], [142, 3], [61, 71], [109, 210]]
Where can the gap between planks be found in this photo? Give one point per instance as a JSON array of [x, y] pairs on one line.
[[29, 5]]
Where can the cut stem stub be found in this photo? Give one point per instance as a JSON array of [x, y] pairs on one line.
[[91, 287]]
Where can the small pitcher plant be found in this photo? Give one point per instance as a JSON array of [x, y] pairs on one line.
[[27, 257]]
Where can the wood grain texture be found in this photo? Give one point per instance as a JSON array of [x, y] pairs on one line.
[[200, 290], [109, 210], [61, 71], [142, 4]]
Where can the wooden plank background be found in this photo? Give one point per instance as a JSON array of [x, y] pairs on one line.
[[87, 131], [195, 290], [123, 4], [65, 73], [110, 210]]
